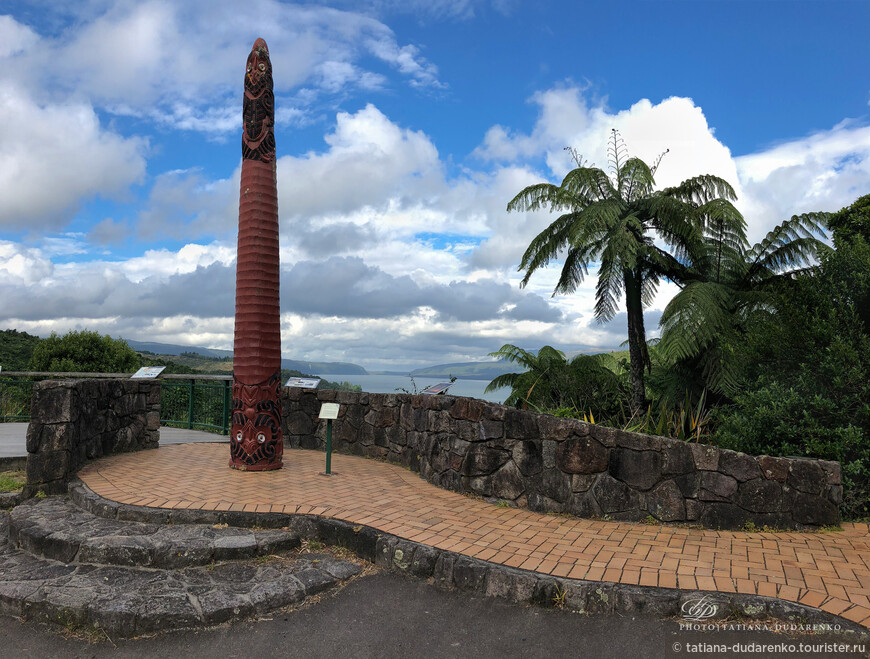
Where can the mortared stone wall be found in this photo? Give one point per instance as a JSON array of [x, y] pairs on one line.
[[549, 464]]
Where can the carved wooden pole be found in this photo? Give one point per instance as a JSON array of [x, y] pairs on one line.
[[256, 443]]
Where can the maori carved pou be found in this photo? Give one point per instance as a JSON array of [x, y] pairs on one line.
[[256, 442]]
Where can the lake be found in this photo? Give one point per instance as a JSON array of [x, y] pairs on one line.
[[387, 384]]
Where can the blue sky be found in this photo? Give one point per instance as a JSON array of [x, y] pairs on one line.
[[404, 128]]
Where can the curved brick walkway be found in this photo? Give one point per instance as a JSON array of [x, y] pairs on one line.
[[830, 571]]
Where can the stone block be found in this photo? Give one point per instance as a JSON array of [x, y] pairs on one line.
[[832, 471], [772, 468], [738, 465], [812, 510], [528, 457], [551, 427], [152, 420], [481, 460], [716, 486], [581, 455], [604, 434], [47, 466], [639, 469], [723, 515], [469, 574], [666, 503], [677, 458], [467, 409], [508, 482], [582, 482], [614, 496], [693, 509], [555, 485], [489, 429], [760, 495], [52, 437], [54, 401], [583, 504], [807, 476], [519, 424], [706, 457], [442, 574]]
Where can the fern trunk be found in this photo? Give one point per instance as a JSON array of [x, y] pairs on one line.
[[637, 352]]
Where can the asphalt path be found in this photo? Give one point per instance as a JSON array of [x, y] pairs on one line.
[[387, 616]]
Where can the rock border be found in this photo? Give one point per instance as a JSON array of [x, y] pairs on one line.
[[449, 570]]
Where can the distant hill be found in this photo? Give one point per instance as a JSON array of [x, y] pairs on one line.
[[332, 368], [467, 370]]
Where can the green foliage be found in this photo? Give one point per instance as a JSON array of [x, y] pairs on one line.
[[728, 284], [807, 374], [16, 349], [852, 221], [12, 481], [585, 384], [84, 352], [616, 221]]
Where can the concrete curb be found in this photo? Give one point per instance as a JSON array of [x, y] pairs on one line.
[[450, 570]]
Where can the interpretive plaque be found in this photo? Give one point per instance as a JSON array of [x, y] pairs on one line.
[[147, 373], [439, 388], [329, 411], [303, 383]]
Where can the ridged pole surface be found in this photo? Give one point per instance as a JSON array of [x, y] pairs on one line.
[[256, 443]]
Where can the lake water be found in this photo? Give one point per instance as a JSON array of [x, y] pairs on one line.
[[387, 384]]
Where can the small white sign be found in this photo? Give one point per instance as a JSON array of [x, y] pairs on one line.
[[329, 411], [303, 383], [147, 372]]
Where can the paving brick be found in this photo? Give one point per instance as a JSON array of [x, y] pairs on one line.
[[792, 566]]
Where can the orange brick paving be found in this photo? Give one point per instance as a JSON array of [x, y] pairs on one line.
[[830, 571]]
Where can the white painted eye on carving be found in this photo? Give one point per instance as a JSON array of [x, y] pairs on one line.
[[239, 436], [249, 68], [262, 66], [261, 437]]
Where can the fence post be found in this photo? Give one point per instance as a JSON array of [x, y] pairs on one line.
[[190, 405], [226, 420]]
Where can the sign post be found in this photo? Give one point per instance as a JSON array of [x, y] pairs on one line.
[[329, 411]]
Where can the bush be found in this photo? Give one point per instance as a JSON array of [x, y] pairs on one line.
[[84, 352]]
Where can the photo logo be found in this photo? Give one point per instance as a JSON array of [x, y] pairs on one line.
[[699, 609]]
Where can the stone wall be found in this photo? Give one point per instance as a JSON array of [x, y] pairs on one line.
[[73, 421], [557, 465]]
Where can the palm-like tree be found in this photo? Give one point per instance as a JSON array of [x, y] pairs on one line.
[[538, 367], [586, 383], [614, 220], [726, 281]]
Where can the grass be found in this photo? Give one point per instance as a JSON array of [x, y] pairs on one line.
[[12, 481]]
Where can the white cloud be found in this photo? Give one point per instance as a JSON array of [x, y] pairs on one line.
[[54, 157], [822, 172], [14, 37], [172, 61]]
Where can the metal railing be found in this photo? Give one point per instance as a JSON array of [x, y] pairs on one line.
[[203, 402]]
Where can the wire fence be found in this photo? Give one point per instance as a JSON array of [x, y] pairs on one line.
[[201, 402]]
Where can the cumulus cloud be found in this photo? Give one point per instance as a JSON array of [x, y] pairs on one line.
[[54, 157], [170, 61], [822, 172]]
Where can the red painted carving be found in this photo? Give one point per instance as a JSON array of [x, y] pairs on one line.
[[256, 443]]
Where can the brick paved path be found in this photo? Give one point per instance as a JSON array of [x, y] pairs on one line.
[[830, 571]]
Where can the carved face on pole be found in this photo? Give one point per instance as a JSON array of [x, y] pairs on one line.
[[256, 422], [258, 140], [255, 433]]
